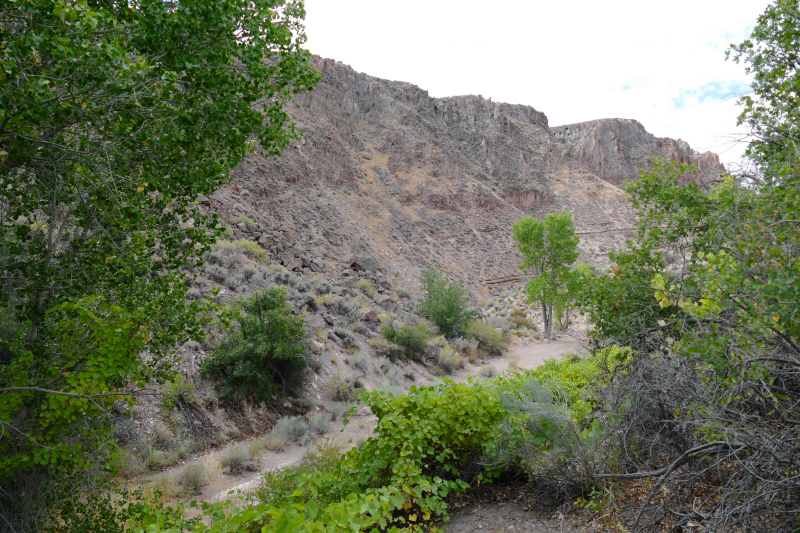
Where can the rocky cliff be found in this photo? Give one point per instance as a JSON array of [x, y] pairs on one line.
[[389, 174]]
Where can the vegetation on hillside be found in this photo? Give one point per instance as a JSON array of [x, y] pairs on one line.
[[445, 304], [265, 356]]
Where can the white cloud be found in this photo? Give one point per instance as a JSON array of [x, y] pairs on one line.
[[660, 63]]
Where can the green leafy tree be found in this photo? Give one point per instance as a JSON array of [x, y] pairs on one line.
[[549, 248], [707, 296], [266, 356], [445, 304], [115, 116]]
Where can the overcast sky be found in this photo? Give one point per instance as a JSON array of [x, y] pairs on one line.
[[662, 63]]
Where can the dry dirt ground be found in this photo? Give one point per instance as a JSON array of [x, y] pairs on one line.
[[510, 507]]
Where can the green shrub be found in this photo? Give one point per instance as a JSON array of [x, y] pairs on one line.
[[177, 392], [266, 356], [488, 338], [578, 378], [445, 304], [365, 286], [436, 430], [251, 249], [412, 340], [249, 222]]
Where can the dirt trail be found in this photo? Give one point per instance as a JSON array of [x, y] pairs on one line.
[[525, 354]]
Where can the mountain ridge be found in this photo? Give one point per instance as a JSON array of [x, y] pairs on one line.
[[387, 172]]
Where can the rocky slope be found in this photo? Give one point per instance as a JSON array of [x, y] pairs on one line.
[[403, 181]]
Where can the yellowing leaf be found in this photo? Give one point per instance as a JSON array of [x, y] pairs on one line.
[[412, 518]]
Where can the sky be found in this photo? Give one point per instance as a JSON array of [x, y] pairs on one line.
[[661, 63]]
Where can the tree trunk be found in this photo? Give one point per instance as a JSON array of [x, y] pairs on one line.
[[547, 316]]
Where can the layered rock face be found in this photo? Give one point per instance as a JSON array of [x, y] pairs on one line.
[[617, 149], [384, 171]]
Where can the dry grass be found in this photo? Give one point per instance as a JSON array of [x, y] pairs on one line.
[[235, 458], [487, 371]]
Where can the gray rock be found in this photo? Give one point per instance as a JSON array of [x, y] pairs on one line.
[[317, 347], [315, 322], [332, 336]]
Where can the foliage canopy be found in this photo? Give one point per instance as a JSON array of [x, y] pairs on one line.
[[116, 115], [549, 248], [266, 356]]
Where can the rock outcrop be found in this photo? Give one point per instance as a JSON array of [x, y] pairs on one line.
[[403, 181]]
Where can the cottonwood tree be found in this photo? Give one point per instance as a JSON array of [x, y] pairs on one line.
[[114, 116], [549, 248]]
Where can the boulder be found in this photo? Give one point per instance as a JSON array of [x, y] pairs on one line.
[[372, 316], [362, 263], [315, 323], [335, 338], [203, 199], [317, 347]]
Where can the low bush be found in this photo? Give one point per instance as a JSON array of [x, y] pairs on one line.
[[294, 427], [251, 249], [194, 294], [319, 424], [520, 320], [365, 286], [487, 371], [192, 478], [447, 359], [412, 340], [343, 389], [276, 439], [236, 458], [347, 336], [488, 338], [266, 356], [338, 410], [238, 219], [255, 447], [360, 360], [384, 348]]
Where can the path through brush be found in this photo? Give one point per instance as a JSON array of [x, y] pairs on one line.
[[523, 354]]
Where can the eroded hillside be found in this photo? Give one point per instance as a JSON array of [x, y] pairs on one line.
[[405, 181]]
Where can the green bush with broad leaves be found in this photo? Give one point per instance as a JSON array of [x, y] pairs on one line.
[[396, 481], [266, 355]]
